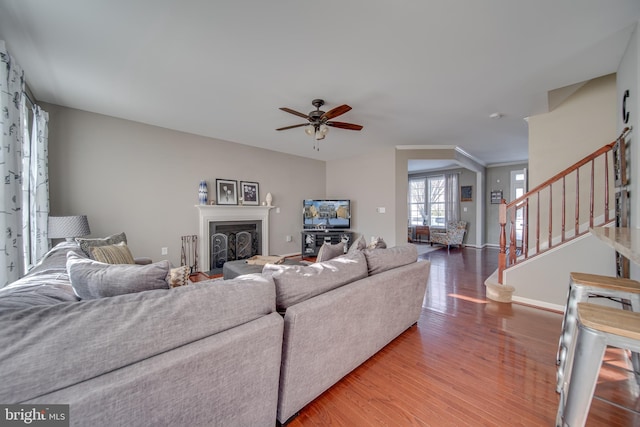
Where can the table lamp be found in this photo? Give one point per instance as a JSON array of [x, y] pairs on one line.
[[68, 227]]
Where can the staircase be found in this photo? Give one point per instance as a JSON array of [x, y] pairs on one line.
[[559, 211]]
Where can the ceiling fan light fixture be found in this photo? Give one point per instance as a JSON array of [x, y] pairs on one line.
[[310, 130], [319, 121]]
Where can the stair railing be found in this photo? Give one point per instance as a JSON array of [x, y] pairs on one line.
[[515, 215]]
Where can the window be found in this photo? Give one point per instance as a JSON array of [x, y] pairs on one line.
[[427, 201]]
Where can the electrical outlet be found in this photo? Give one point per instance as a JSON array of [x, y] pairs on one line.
[[164, 251], [289, 238], [381, 210]]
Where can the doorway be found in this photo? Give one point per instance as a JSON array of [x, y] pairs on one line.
[[518, 188]]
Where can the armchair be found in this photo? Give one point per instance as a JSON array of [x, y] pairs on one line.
[[453, 235]]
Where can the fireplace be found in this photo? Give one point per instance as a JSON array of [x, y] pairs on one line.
[[233, 240], [232, 232]]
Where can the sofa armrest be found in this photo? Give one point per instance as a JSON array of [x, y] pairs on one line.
[[142, 261]]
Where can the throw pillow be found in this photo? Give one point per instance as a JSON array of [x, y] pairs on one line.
[[383, 259], [113, 254], [377, 243], [359, 245], [87, 244], [328, 251], [178, 276], [92, 279]]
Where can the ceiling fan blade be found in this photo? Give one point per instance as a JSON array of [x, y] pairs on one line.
[[335, 112], [342, 125], [293, 126], [294, 112]]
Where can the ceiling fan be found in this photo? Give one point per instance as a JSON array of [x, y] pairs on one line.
[[319, 121]]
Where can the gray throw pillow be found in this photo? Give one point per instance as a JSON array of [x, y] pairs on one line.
[[328, 251], [360, 244], [87, 244], [383, 259], [377, 243], [92, 279]]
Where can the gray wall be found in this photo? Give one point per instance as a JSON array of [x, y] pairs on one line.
[[498, 178], [369, 181], [628, 78], [143, 180], [468, 209]]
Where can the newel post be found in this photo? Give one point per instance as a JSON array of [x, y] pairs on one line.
[[502, 255]]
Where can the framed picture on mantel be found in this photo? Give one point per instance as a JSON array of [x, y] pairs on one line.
[[249, 193], [227, 191]]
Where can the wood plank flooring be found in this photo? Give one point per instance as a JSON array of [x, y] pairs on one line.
[[468, 362]]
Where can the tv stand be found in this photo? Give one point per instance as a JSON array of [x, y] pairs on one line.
[[313, 239]]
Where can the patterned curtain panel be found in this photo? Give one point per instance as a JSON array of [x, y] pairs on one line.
[[35, 189], [24, 191], [452, 198], [11, 97]]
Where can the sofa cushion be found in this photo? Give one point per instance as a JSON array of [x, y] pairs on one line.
[[379, 260], [328, 251], [87, 244], [92, 279], [47, 283], [296, 283], [359, 244], [113, 254]]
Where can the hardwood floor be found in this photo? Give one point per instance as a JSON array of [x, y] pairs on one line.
[[468, 362]]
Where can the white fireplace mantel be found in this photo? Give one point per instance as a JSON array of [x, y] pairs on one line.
[[214, 213]]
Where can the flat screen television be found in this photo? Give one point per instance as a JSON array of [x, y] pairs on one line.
[[326, 214]]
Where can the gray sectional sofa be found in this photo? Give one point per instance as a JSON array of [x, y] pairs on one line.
[[339, 313], [200, 355], [211, 353]]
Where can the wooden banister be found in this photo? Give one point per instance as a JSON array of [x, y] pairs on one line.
[[509, 212]]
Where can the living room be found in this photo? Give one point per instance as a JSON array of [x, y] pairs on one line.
[[94, 156], [127, 171]]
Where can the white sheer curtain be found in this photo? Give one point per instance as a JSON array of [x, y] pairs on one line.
[[11, 99], [451, 198], [17, 150], [35, 188]]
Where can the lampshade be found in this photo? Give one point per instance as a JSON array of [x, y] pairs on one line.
[[68, 227]]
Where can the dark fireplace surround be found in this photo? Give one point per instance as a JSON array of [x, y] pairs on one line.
[[231, 232], [233, 240]]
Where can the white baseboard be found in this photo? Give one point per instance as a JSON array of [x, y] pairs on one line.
[[539, 304]]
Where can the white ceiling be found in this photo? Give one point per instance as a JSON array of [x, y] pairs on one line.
[[415, 72]]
